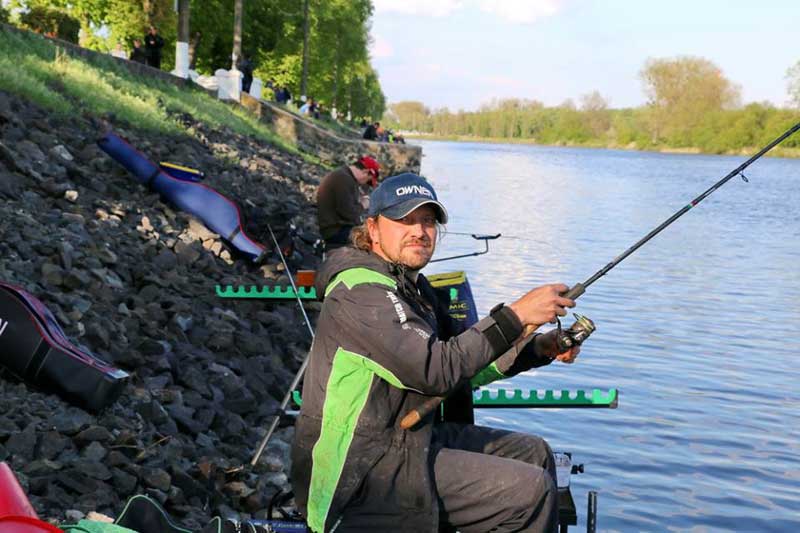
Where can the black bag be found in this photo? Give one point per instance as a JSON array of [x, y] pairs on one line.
[[34, 348], [145, 515]]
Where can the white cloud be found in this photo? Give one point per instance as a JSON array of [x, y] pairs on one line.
[[521, 11], [431, 8], [380, 47]]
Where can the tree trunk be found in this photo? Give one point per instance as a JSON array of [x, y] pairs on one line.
[[84, 36], [183, 21], [336, 76], [182, 45], [193, 45], [304, 81], [147, 9], [237, 31]]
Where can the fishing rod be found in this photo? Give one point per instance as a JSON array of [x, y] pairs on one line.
[[584, 327], [300, 372], [580, 288]]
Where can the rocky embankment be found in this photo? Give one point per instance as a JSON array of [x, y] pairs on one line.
[[132, 280]]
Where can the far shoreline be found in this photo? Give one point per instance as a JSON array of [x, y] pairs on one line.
[[788, 153]]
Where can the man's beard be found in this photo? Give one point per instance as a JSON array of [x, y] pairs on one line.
[[413, 258]]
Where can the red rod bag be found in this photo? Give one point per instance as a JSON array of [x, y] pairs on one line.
[[34, 348], [13, 501]]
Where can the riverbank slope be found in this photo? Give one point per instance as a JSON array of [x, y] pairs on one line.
[[132, 279]]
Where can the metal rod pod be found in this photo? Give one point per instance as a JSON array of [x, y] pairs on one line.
[[591, 512]]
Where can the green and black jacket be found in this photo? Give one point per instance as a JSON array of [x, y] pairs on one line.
[[377, 355]]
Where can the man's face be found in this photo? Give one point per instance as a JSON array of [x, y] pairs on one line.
[[362, 175], [409, 241]]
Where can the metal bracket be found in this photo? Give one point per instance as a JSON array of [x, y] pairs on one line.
[[484, 238]]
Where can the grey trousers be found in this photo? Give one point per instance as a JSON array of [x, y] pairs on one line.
[[494, 480]]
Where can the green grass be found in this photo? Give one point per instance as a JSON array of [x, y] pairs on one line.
[[34, 69], [23, 77]]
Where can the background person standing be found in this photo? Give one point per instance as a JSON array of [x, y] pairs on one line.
[[138, 54], [153, 43]]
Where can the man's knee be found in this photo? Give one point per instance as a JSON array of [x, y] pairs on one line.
[[533, 499], [538, 452], [532, 486]]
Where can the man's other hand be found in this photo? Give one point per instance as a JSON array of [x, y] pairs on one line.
[[542, 305], [547, 345]]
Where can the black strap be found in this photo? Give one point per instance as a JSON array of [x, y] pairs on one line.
[[234, 233], [505, 330], [149, 181]]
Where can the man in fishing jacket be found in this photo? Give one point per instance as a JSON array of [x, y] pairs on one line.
[[382, 349]]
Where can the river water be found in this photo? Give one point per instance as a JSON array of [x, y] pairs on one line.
[[699, 329]]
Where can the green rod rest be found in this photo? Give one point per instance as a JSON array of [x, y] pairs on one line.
[[267, 293], [546, 399], [535, 399]]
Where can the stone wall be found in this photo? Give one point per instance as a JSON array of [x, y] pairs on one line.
[[332, 149]]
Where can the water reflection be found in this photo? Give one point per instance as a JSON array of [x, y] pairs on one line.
[[699, 328]]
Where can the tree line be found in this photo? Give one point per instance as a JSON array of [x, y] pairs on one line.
[[274, 38], [690, 105]]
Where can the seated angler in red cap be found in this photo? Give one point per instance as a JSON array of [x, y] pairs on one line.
[[342, 199]]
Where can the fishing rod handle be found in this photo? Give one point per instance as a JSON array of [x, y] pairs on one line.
[[575, 291], [415, 416]]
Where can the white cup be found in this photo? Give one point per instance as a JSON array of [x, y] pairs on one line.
[[563, 469]]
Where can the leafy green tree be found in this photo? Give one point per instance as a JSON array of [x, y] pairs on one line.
[[131, 20], [596, 113], [52, 22], [408, 115], [339, 67], [793, 78], [681, 92], [86, 14]]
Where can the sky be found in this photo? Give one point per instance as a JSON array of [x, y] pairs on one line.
[[460, 54]]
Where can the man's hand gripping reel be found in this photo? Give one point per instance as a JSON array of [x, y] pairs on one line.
[[579, 331]]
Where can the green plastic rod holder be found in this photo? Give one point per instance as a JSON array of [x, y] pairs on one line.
[[277, 292], [533, 399]]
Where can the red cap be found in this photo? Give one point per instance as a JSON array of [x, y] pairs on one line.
[[372, 166]]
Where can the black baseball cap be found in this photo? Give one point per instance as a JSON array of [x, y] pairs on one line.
[[399, 195]]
